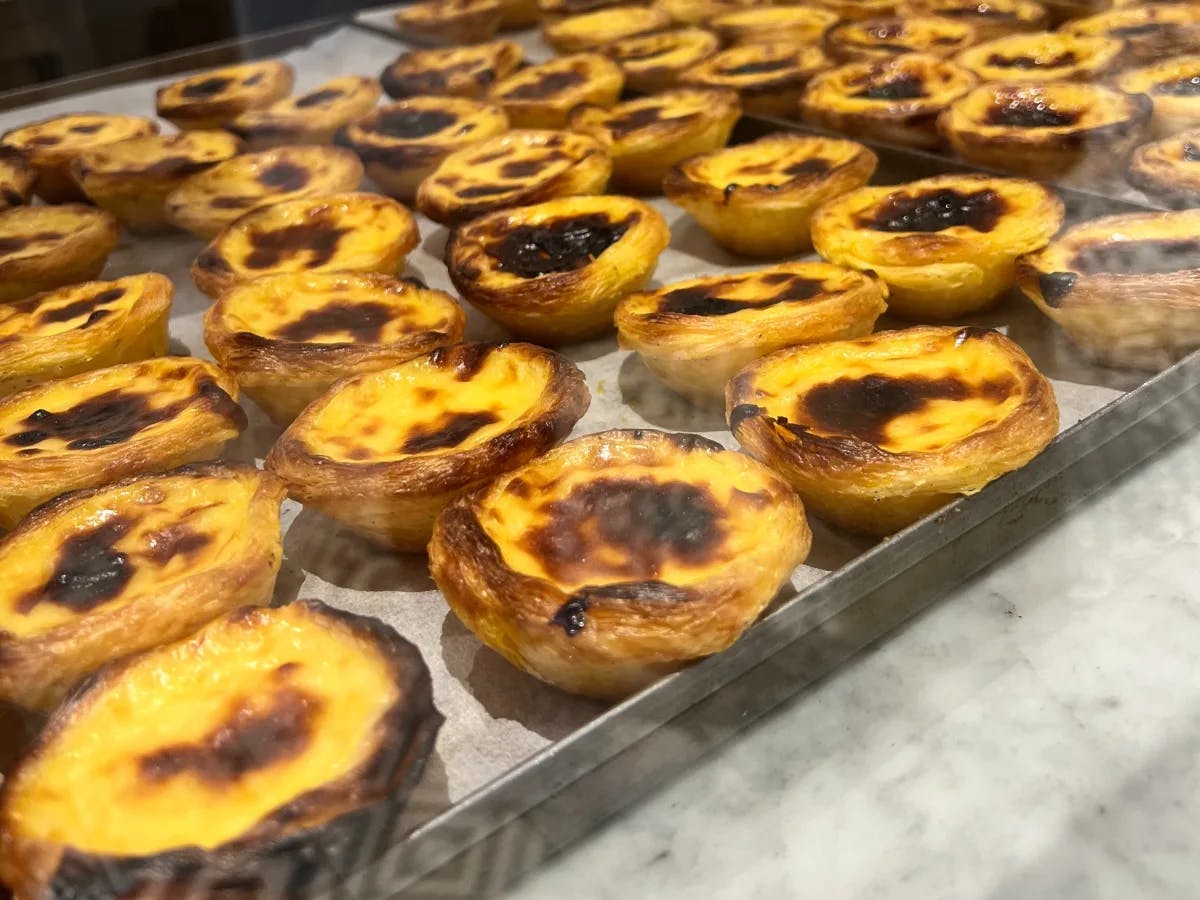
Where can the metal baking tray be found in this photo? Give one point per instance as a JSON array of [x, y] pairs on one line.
[[521, 768]]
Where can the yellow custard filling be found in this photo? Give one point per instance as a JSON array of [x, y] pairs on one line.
[[76, 132], [68, 309], [773, 161], [34, 230]]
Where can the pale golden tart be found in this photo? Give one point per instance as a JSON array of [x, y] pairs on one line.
[[255, 752], [451, 71], [1043, 57], [1173, 87], [756, 199], [518, 168], [131, 179], [619, 557], [1050, 130], [875, 39], [98, 574], [16, 179], [353, 232], [543, 95], [44, 247], [764, 24], [592, 30], [216, 97], [860, 10], [310, 118], [769, 77], [990, 18], [99, 426], [878, 432], [946, 246], [655, 62], [449, 21], [383, 452], [695, 335], [648, 135], [51, 145], [208, 201], [288, 338], [1152, 32], [1124, 288], [83, 327], [699, 12], [554, 272], [1169, 170], [401, 144]]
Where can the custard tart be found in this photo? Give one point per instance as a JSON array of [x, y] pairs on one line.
[[861, 10], [1043, 57], [1174, 89], [1124, 288], [619, 557], [383, 452], [756, 199], [699, 12], [554, 272], [451, 71], [208, 201], [131, 179], [875, 39], [82, 327], [695, 335], [50, 146], [513, 169], [333, 232], [1048, 130], [1169, 170], [769, 77], [655, 62], [44, 247], [273, 748], [649, 135], [311, 118], [543, 95], [449, 21], [946, 246], [16, 179], [403, 143], [214, 98], [990, 18], [98, 574], [1152, 32], [897, 100], [764, 24], [592, 30], [288, 338]]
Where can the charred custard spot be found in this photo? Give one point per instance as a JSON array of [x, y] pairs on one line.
[[1000, 61], [44, 140], [81, 307], [759, 67], [12, 197], [232, 202], [478, 191], [163, 546], [317, 98], [253, 79], [864, 407], [634, 119], [521, 168], [448, 430], [14, 243], [640, 54], [90, 570], [318, 239], [208, 87], [87, 129], [546, 85], [413, 123], [465, 359], [1132, 31], [364, 322], [815, 166], [905, 87], [1145, 257], [1181, 87], [284, 176], [935, 211], [571, 617], [530, 251], [705, 300], [1027, 112], [1055, 286]]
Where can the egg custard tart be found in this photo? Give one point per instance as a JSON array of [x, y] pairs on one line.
[[619, 557], [649, 135], [210, 200], [1152, 32], [543, 95], [897, 100], [401, 144], [43, 247], [288, 338], [695, 335], [861, 10], [521, 167], [347, 232], [383, 452], [449, 21], [216, 97], [756, 199], [592, 30], [1174, 89], [877, 432], [769, 77], [554, 272], [1125, 288], [655, 62], [50, 146], [273, 748], [1169, 170], [16, 179], [946, 246], [451, 71], [875, 39], [990, 18], [311, 118], [700, 12], [98, 574], [764, 24], [82, 327], [131, 179], [97, 427], [1043, 57]]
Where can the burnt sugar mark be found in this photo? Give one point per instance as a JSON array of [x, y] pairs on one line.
[[233, 201], [806, 167], [284, 176], [89, 306], [318, 239], [88, 572], [479, 191], [563, 245], [935, 210], [635, 119], [1024, 61], [1055, 286], [91, 128], [450, 429], [903, 87], [571, 617], [364, 322], [318, 98], [408, 124], [741, 413], [13, 243], [253, 736], [207, 87], [972, 333], [465, 359], [1031, 112], [1138, 257], [758, 67], [521, 168], [706, 299], [175, 540], [1133, 31], [1180, 87], [642, 54], [546, 84]]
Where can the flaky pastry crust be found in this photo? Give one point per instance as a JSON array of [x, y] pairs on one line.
[[1169, 170]]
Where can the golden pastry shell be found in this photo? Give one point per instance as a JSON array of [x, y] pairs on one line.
[[543, 95], [310, 118], [592, 30], [1172, 113], [1169, 170], [451, 71], [449, 21], [16, 179], [764, 24], [72, 243]]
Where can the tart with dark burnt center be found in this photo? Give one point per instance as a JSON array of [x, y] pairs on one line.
[[403, 143], [756, 199], [383, 452], [98, 574], [44, 247], [554, 272], [451, 71], [897, 100], [334, 232], [214, 98], [1173, 87], [208, 201], [16, 179], [449, 21], [695, 335], [649, 135], [543, 95], [288, 338], [946, 246], [769, 77], [763, 24], [112, 423], [50, 146], [592, 30], [655, 62], [875, 39], [990, 18], [1169, 170], [1043, 57], [1124, 288], [1152, 32], [273, 747], [877, 432], [310, 118], [82, 327], [514, 169]]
